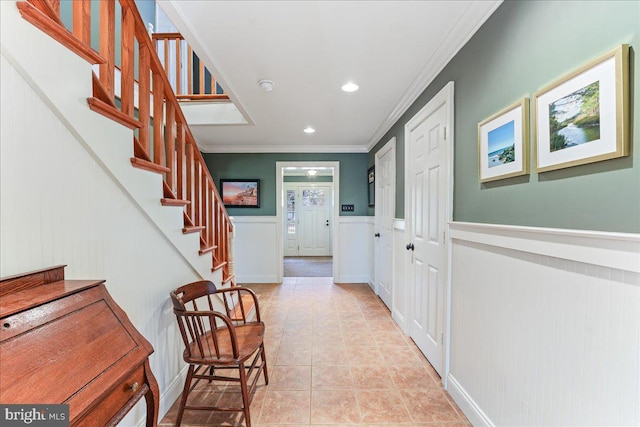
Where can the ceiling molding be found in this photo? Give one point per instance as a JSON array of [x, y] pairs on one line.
[[283, 148], [448, 48]]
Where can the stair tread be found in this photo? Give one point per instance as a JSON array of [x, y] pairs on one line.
[[174, 202], [148, 166], [208, 249], [192, 228]]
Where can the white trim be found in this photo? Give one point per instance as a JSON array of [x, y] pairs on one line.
[[356, 220], [280, 212], [437, 63], [614, 250], [399, 224], [255, 219], [469, 407], [444, 97], [355, 279], [297, 148]]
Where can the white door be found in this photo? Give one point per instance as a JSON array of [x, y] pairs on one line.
[[385, 183], [428, 163], [315, 221]]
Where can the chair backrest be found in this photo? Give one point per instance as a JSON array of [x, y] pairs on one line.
[[199, 326]]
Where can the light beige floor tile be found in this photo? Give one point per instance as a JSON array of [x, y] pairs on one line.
[[286, 407], [290, 378], [336, 359], [331, 406]]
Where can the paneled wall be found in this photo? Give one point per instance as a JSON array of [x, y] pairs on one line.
[[256, 249], [545, 326]]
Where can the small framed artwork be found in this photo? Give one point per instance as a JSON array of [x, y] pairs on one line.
[[371, 179], [503, 143], [583, 117], [240, 193]]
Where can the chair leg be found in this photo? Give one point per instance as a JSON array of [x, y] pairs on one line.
[[264, 367], [185, 394], [245, 394]]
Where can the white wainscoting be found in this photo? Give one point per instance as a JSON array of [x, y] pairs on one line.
[[545, 326], [356, 249], [255, 239], [256, 255]]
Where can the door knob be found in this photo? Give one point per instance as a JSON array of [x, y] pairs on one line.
[[410, 247], [377, 235]]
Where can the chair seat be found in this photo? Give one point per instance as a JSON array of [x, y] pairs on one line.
[[249, 338]]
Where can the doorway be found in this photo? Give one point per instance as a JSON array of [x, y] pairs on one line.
[[306, 208], [429, 178]]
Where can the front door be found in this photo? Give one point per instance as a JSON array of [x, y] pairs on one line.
[[385, 182], [315, 207], [428, 211]]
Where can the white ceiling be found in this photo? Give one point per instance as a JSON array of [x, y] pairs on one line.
[[391, 49]]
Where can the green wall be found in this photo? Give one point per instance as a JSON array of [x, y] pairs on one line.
[[353, 176], [522, 47]]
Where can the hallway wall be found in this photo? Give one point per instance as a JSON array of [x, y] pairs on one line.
[[545, 326], [521, 48]]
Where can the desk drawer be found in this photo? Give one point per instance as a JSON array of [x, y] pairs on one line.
[[115, 400]]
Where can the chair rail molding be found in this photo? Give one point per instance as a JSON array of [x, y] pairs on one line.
[[607, 249]]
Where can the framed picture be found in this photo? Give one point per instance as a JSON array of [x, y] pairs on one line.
[[371, 186], [240, 193], [583, 117], [503, 143]]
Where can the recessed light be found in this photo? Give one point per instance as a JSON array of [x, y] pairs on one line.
[[309, 130], [350, 87]]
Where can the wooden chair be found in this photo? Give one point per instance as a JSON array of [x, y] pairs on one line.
[[217, 341]]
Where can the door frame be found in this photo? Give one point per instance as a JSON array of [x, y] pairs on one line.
[[335, 247], [444, 96], [390, 146], [297, 186]]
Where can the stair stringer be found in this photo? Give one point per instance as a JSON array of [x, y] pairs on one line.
[[63, 81]]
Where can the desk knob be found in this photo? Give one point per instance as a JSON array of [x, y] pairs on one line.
[[134, 387]]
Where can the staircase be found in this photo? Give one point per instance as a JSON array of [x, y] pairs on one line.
[[144, 103]]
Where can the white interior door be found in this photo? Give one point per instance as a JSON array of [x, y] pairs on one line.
[[315, 220], [385, 183], [428, 163]]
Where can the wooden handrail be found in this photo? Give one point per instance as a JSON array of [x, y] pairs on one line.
[[163, 141], [164, 42]]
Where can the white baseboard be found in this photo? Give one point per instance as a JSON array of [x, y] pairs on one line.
[[267, 278], [469, 407], [354, 279]]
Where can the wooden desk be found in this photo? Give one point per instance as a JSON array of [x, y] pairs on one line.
[[67, 341]]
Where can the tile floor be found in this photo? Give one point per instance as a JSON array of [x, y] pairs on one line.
[[335, 358]]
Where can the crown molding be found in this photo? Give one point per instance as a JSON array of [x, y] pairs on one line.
[[436, 63], [282, 148]]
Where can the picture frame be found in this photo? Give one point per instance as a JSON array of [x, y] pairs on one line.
[[240, 193], [584, 116], [371, 188], [503, 143]]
